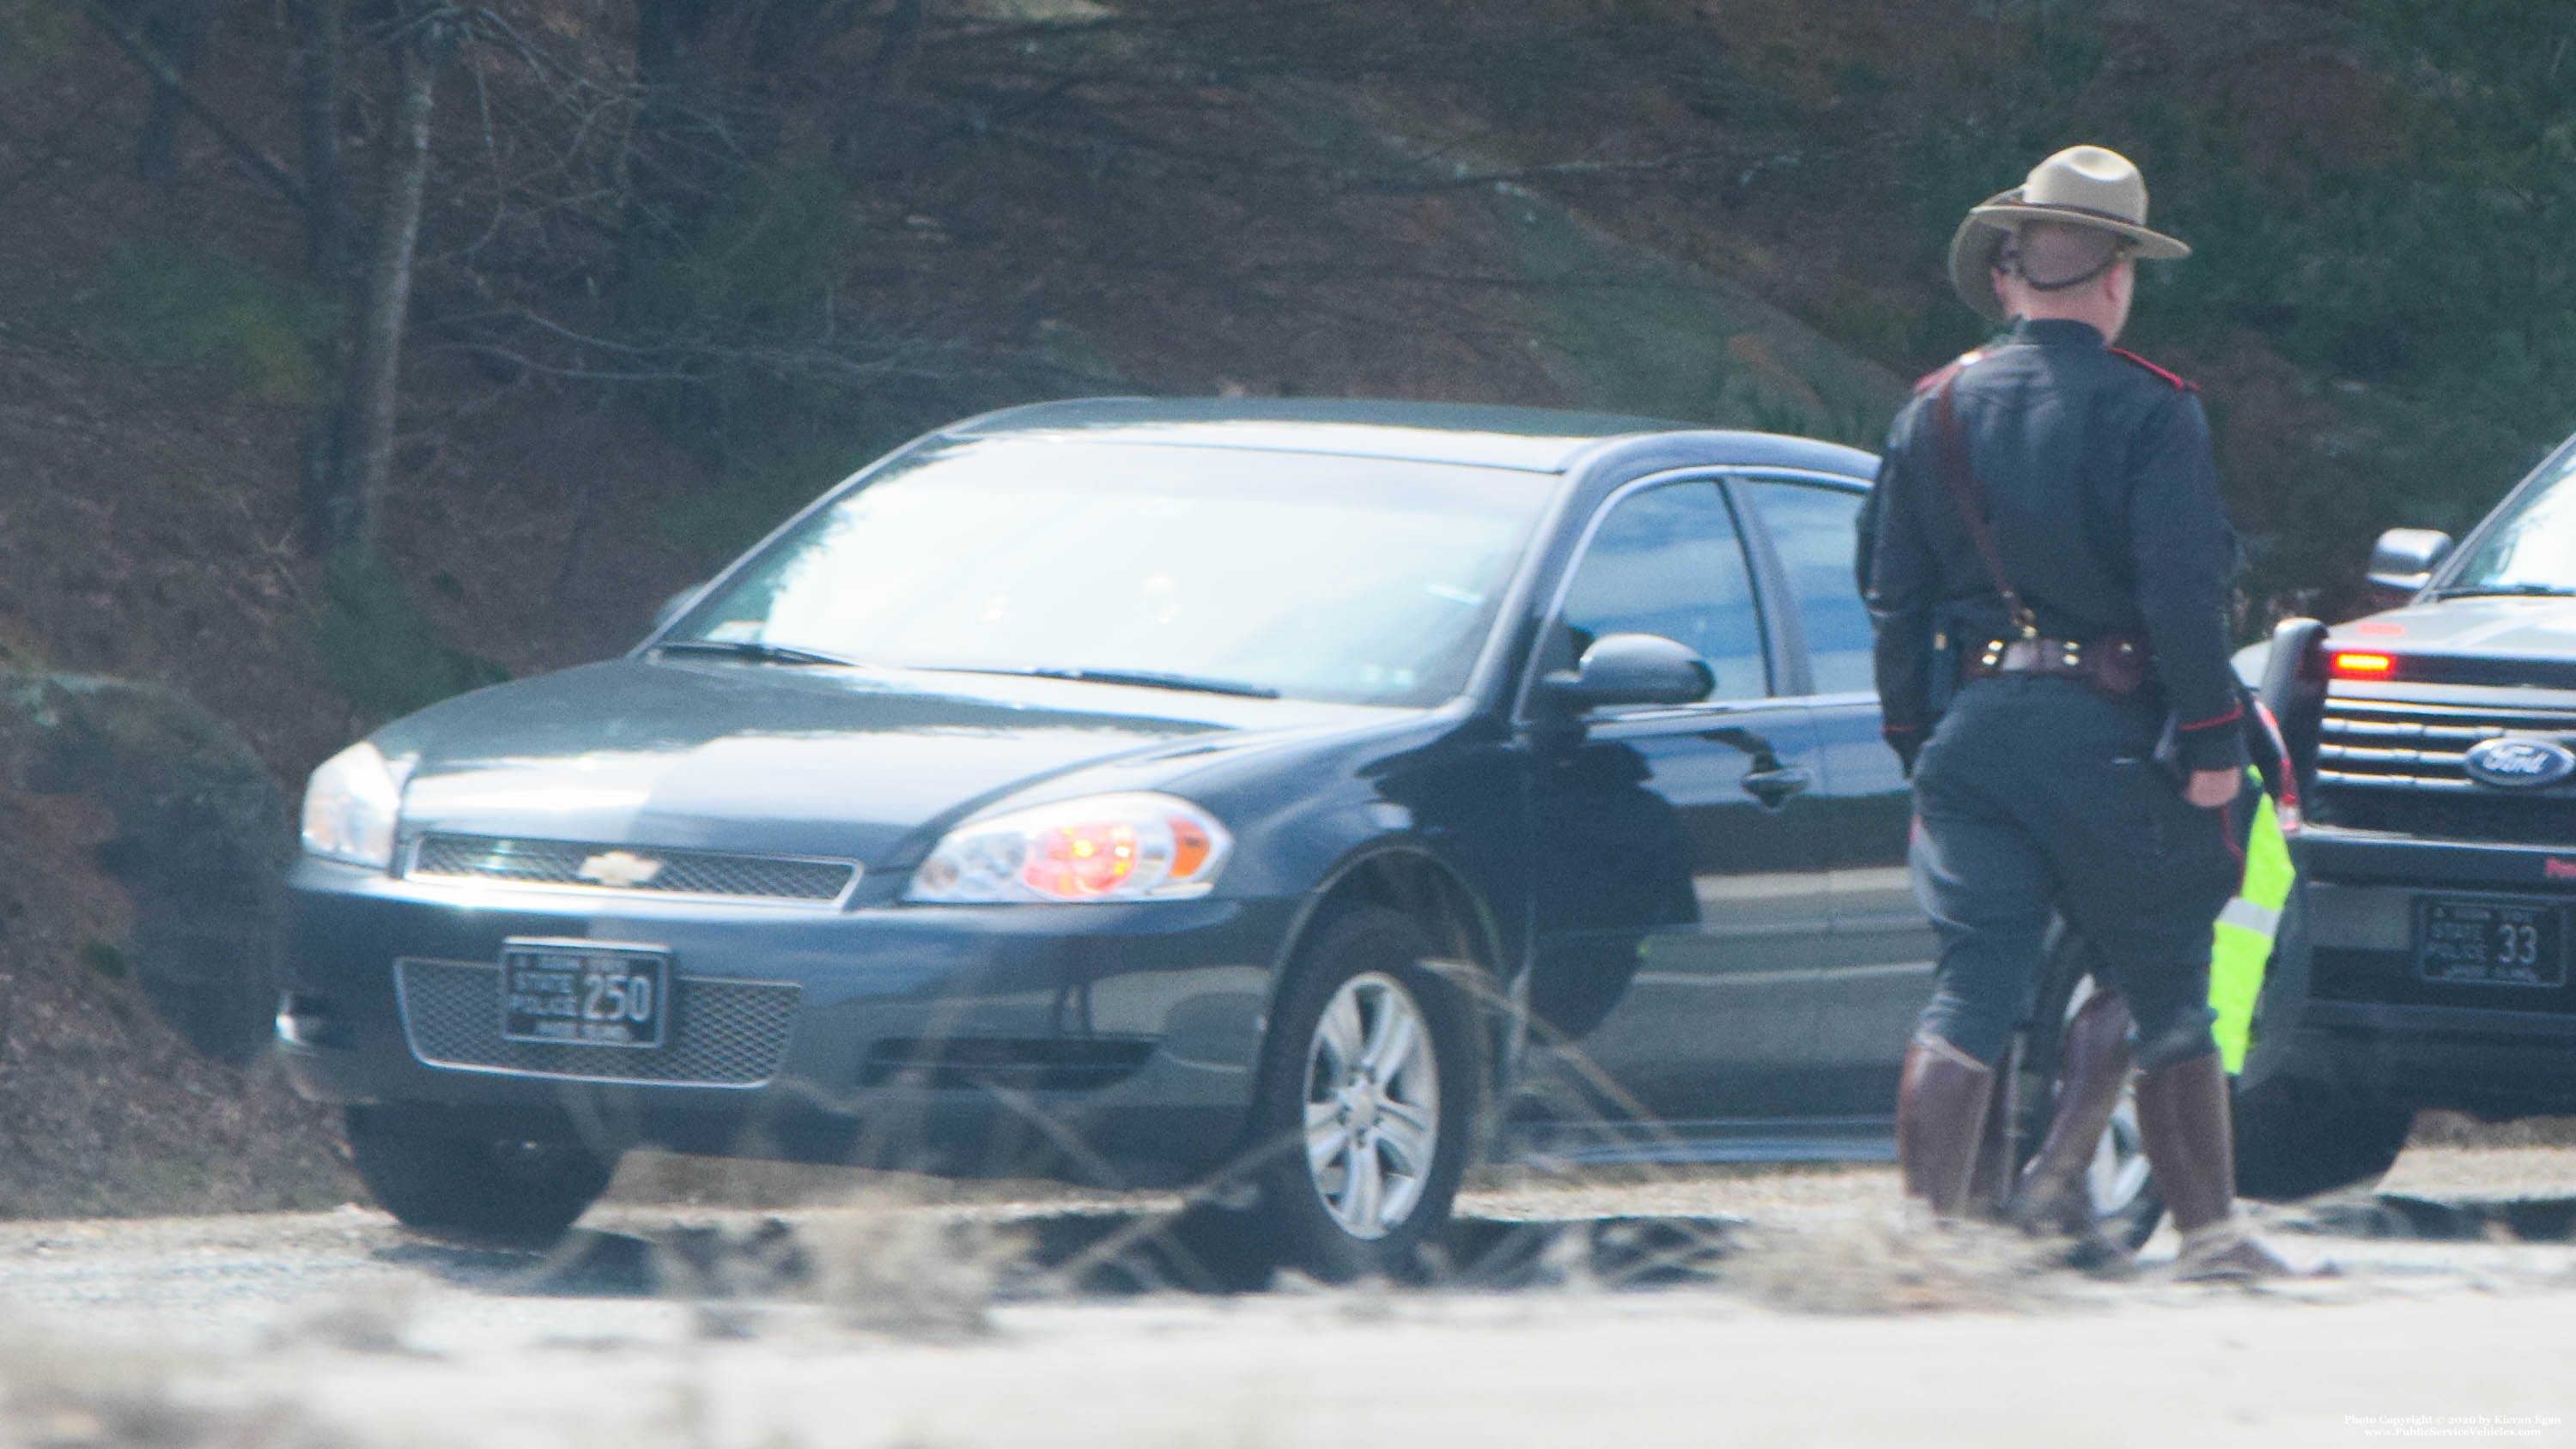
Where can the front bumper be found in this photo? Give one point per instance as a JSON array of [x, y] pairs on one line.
[[2352, 1012], [1111, 1043]]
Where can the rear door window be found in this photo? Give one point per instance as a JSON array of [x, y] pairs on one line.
[[1813, 529]]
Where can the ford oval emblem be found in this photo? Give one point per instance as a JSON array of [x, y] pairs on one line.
[[2520, 763]]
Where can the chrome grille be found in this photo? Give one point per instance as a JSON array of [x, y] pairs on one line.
[[703, 873], [2400, 766], [723, 1033]]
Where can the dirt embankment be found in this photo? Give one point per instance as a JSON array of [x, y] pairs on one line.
[[140, 840]]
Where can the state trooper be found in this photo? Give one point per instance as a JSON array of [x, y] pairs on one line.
[[2051, 573]]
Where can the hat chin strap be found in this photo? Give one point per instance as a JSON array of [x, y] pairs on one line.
[[2009, 262], [2037, 285]]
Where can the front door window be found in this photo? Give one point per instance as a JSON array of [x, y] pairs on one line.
[[1667, 561]]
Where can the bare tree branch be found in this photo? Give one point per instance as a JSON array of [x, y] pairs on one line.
[[167, 77], [48, 148]]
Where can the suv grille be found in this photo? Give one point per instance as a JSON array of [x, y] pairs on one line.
[[640, 869], [2392, 766], [723, 1033]]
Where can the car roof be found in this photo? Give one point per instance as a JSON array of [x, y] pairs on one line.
[[1540, 440]]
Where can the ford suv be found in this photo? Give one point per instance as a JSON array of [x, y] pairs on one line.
[[2427, 964]]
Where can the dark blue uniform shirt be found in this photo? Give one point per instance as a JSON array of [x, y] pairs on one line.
[[2096, 470]]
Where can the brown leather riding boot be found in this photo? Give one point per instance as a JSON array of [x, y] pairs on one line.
[[1940, 1113], [2053, 1196], [2190, 1143]]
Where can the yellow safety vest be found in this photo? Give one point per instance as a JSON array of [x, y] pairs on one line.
[[2245, 930]]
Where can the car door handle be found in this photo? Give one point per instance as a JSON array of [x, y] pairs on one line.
[[1774, 787]]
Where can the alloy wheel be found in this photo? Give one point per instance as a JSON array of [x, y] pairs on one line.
[[2118, 1171], [1372, 1115]]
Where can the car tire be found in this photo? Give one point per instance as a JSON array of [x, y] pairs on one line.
[[437, 1178], [2126, 1204], [1370, 1086], [2296, 1139]]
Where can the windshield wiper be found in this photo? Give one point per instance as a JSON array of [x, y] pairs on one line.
[[753, 651], [2507, 591], [1150, 679]]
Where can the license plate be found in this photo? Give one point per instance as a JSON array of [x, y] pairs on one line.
[[2471, 942], [574, 995]]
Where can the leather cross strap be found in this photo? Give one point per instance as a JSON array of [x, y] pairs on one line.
[[1964, 493]]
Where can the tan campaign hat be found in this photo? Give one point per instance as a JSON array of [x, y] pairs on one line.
[[2084, 185]]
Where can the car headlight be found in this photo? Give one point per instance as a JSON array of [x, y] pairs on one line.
[[1131, 847], [351, 806]]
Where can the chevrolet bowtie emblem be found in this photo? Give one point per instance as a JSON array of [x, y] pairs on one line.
[[620, 869]]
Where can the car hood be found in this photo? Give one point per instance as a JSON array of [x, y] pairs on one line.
[[2500, 641], [2543, 628], [828, 762]]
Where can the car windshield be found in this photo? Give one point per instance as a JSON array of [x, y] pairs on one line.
[[1311, 576], [2531, 549]]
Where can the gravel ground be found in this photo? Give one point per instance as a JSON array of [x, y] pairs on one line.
[[2488, 1173], [1785, 1312]]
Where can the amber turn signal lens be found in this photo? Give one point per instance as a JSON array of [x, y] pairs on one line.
[[1190, 847]]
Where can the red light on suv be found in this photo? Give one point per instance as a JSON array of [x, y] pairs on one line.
[[2364, 666]]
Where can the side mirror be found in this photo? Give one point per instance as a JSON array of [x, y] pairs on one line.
[[2294, 689], [2404, 559], [676, 605], [1632, 669]]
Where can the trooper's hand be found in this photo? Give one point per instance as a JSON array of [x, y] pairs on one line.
[[2210, 789]]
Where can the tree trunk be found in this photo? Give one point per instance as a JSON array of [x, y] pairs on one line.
[[673, 159], [316, 30], [365, 451], [321, 88], [868, 110], [178, 31]]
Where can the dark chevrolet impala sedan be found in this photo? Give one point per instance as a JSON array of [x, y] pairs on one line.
[[1281, 796]]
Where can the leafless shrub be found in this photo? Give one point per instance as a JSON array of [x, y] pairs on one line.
[[894, 1270], [889, 1266], [724, 1272], [1871, 1266], [59, 1394], [369, 1317]]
